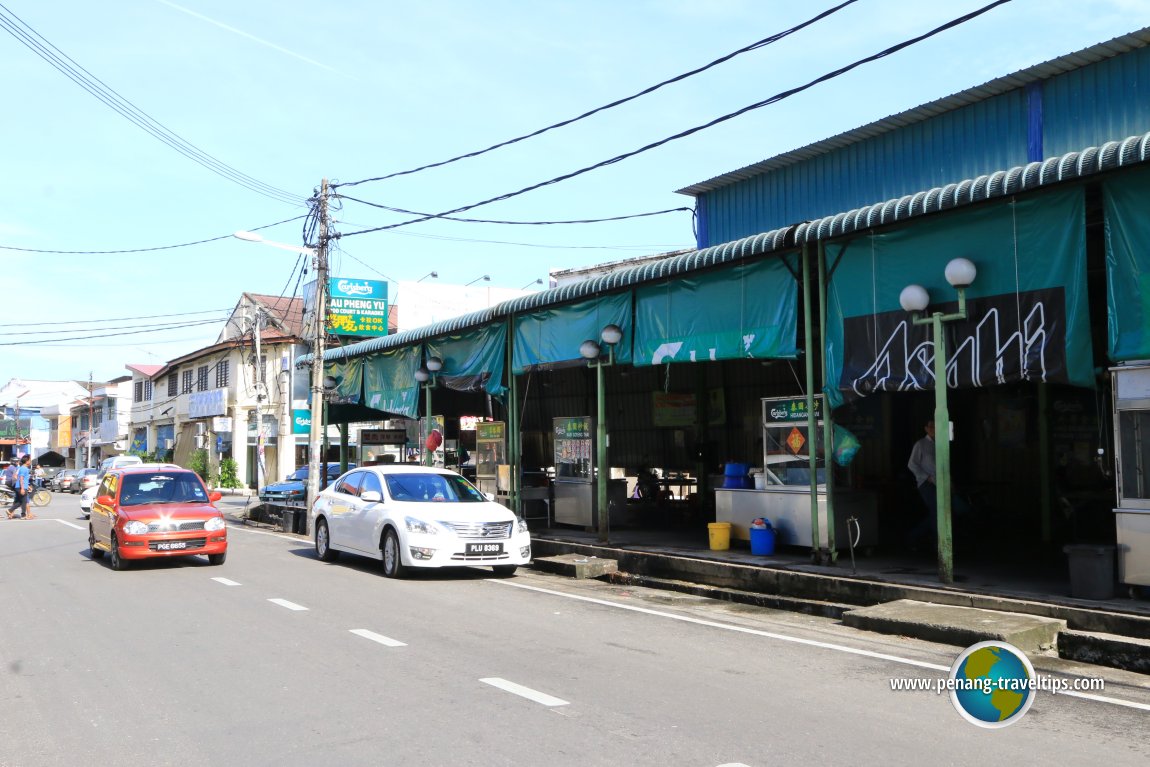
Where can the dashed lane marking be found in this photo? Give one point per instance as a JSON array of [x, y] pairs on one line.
[[287, 604], [69, 524], [525, 692], [386, 641], [226, 581]]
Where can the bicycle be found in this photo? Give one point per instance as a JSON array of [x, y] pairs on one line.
[[40, 496]]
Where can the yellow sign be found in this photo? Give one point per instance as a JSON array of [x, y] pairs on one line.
[[64, 431]]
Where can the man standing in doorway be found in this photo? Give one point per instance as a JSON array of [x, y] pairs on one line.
[[921, 464]]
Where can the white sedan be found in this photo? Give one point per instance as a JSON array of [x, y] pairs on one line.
[[414, 516], [86, 499]]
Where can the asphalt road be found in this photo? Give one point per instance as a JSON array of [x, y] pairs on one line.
[[278, 659]]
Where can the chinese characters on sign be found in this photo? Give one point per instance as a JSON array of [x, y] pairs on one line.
[[357, 307]]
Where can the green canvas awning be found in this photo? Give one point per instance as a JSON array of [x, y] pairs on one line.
[[1027, 309], [389, 381], [735, 312], [472, 360], [1127, 201], [552, 336]]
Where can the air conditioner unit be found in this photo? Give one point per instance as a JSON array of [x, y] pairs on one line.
[[200, 429], [200, 441], [169, 444]]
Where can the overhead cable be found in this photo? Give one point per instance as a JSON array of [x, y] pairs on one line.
[[753, 46], [109, 335], [683, 134], [683, 209], [67, 66], [145, 250]]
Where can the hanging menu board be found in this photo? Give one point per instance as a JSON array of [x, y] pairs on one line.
[[573, 448]]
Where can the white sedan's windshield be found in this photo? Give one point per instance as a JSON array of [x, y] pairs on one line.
[[445, 488]]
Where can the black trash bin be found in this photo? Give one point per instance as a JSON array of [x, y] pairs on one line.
[[301, 521], [1092, 574], [287, 520]]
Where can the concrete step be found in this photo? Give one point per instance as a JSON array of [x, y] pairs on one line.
[[576, 565], [1110, 650], [832, 610], [961, 626]]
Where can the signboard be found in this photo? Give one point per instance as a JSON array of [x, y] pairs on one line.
[[301, 421], [64, 431], [357, 307], [573, 428], [673, 408], [383, 437], [205, 404], [775, 410], [491, 430], [221, 423]]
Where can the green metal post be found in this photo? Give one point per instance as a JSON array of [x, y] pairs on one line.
[[828, 422], [343, 448], [812, 423], [601, 453], [326, 446], [514, 439], [942, 454]]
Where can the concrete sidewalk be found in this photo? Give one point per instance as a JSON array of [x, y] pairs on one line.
[[1114, 632]]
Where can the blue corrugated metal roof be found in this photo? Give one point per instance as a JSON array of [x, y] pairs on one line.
[[996, 87]]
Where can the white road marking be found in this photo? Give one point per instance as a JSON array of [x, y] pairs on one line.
[[242, 529], [69, 524], [387, 641], [798, 640], [226, 581], [287, 604], [526, 692]]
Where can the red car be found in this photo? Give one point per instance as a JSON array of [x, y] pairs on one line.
[[145, 512]]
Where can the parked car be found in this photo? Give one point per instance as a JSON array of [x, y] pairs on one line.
[[294, 488], [145, 512], [84, 479], [62, 482], [416, 516]]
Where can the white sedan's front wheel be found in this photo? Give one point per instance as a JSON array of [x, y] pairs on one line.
[[392, 563]]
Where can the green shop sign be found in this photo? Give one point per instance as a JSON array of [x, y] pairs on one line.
[[357, 307], [788, 410]]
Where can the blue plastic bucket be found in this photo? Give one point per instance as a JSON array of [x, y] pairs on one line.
[[763, 541], [735, 476]]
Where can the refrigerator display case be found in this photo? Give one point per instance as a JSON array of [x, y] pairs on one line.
[[1131, 386], [574, 451], [490, 453]]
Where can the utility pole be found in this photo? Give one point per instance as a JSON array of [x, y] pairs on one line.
[[258, 377], [91, 429], [317, 391]]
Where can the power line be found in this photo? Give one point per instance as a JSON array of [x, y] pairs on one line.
[[683, 134], [159, 326], [67, 66], [677, 78], [117, 319], [109, 335], [145, 250], [683, 209]]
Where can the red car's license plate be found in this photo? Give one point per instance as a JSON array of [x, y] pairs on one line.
[[170, 545]]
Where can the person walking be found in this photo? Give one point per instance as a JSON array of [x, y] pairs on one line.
[[22, 490]]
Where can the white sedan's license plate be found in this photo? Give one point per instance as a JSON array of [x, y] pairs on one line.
[[485, 548], [170, 545]]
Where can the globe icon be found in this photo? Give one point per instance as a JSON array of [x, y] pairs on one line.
[[993, 684]]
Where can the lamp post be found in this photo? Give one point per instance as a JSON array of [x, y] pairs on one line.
[[960, 273], [319, 338], [432, 275], [485, 278], [591, 351], [425, 376], [536, 281]]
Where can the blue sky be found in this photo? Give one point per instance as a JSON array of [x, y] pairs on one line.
[[290, 92]]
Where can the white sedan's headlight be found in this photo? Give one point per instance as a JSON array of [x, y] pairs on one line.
[[419, 526], [521, 524], [135, 527], [215, 523]]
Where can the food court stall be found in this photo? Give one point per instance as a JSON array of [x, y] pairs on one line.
[[1132, 455], [782, 484]]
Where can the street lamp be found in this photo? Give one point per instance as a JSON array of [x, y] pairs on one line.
[[432, 275], [536, 281], [960, 273], [485, 278], [425, 376], [592, 352]]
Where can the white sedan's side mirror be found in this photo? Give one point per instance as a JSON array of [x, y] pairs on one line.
[[489, 496], [370, 496]]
